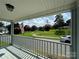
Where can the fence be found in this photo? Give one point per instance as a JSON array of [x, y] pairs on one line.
[[43, 48]]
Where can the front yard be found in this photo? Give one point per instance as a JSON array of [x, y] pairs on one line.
[[45, 34]]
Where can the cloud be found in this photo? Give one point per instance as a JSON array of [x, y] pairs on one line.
[[41, 21], [66, 16]]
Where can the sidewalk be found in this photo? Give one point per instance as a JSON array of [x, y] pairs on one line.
[[45, 37]]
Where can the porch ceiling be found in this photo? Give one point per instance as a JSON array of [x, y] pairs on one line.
[[24, 9]]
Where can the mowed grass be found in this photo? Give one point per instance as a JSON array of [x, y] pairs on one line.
[[50, 33], [3, 43], [46, 34], [29, 34]]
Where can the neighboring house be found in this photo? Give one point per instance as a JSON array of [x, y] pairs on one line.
[[3, 30]]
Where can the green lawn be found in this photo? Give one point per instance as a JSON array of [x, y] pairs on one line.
[[3, 44], [30, 34], [50, 33]]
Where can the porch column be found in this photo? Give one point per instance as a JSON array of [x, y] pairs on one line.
[[74, 33], [12, 31], [77, 32]]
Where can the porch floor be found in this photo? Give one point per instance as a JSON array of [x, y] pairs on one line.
[[12, 52]]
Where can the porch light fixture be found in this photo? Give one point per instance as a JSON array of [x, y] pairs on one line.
[[9, 7]]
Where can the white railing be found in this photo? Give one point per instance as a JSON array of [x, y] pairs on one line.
[[43, 48], [5, 40]]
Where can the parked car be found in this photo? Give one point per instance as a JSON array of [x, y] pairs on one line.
[[3, 31], [66, 39]]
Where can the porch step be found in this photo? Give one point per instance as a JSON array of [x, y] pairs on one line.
[[20, 54]]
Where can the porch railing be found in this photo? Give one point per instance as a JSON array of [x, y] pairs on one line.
[[5, 40], [43, 48]]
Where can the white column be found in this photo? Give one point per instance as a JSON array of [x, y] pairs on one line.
[[78, 2], [77, 33], [12, 31], [74, 33]]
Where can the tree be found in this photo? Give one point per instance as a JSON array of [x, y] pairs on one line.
[[16, 25], [55, 26], [27, 28], [68, 22], [33, 28], [17, 29], [59, 20], [1, 24], [9, 28], [41, 28], [59, 24], [47, 27]]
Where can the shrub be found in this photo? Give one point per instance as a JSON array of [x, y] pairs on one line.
[[60, 32], [41, 29]]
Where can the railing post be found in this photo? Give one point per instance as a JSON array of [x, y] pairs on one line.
[[12, 31]]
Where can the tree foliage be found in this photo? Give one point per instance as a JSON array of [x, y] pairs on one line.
[[9, 28], [1, 24], [68, 22], [17, 29], [27, 28], [47, 27], [33, 28], [59, 32], [41, 28], [59, 21]]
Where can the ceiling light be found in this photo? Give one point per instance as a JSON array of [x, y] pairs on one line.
[[9, 7]]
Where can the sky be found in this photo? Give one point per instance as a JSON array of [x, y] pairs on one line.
[[41, 21]]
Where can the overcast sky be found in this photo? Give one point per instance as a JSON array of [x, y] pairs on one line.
[[41, 21]]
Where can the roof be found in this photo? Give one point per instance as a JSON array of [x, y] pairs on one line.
[[27, 9]]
